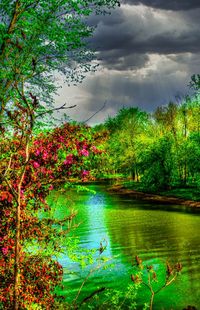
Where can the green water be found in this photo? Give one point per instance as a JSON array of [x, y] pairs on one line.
[[154, 232]]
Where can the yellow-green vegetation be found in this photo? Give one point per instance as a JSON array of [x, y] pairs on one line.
[[160, 151]]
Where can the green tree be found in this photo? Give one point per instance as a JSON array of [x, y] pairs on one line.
[[188, 123], [159, 148], [166, 117], [124, 143], [192, 157], [195, 82], [37, 39], [40, 37], [157, 164]]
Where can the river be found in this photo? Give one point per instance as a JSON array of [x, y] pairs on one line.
[[128, 227]]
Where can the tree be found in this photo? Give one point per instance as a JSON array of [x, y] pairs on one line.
[[156, 164], [37, 38], [40, 37], [161, 149], [191, 154], [123, 145], [30, 167], [195, 82]]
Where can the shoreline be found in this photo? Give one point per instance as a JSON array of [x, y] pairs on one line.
[[121, 190]]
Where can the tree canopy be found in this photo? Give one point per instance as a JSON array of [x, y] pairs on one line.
[[160, 149], [40, 37]]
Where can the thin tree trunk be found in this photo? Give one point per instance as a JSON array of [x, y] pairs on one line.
[[17, 256], [17, 237], [185, 173], [151, 301]]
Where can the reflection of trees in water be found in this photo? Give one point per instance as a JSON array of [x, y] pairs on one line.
[[144, 230], [158, 234], [91, 215]]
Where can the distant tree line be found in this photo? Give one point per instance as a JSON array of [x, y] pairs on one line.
[[160, 149]]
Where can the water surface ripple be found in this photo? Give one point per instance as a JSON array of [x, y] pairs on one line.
[[154, 232]]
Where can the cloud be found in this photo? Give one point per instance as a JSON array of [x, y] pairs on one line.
[[164, 78], [147, 52], [120, 61], [175, 5], [141, 31], [161, 80]]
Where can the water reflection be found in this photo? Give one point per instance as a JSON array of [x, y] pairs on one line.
[[92, 214], [154, 232], [160, 234]]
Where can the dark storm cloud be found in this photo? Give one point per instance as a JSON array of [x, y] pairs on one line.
[[147, 55], [125, 44], [170, 43], [117, 60], [146, 92], [147, 89], [175, 5], [120, 43]]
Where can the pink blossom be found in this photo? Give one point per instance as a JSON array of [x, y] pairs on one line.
[[85, 146], [45, 155], [68, 160], [37, 152], [85, 173], [84, 152], [51, 187], [61, 139], [5, 250], [93, 148], [36, 164], [44, 170], [7, 212]]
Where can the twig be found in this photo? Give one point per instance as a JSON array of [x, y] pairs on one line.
[[92, 295], [9, 164], [86, 278], [167, 284], [95, 113], [56, 109]]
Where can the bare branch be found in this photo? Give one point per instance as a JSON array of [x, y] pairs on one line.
[[63, 107], [95, 113], [86, 299], [9, 164]]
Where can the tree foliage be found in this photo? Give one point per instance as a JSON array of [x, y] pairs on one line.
[[160, 149], [31, 166], [40, 37], [125, 130]]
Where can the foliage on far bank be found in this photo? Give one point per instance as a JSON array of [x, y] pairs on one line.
[[160, 150]]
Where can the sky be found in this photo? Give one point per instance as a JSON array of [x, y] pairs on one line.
[[147, 52]]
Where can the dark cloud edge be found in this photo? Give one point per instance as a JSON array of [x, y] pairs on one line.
[[172, 5]]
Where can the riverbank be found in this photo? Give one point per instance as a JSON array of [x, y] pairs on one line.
[[123, 190]]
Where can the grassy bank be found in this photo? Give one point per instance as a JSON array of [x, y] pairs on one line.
[[189, 196]]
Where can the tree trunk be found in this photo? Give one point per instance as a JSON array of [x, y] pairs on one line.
[[17, 255]]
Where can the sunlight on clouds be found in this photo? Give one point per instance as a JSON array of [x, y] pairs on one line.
[[146, 57], [154, 21]]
